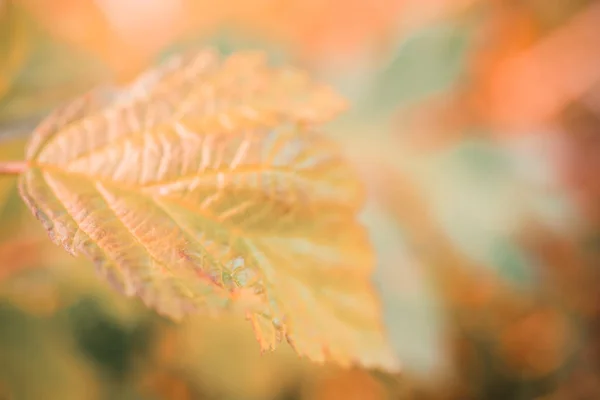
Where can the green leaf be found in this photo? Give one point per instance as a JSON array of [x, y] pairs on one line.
[[427, 62]]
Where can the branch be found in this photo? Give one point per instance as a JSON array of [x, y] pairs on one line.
[[12, 167]]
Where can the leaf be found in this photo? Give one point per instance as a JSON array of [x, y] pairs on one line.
[[413, 309], [483, 195], [205, 182], [428, 62]]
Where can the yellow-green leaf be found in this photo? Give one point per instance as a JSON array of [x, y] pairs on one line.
[[207, 183]]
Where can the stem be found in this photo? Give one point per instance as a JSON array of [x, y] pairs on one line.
[[12, 167]]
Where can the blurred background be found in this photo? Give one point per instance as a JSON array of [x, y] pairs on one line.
[[476, 127]]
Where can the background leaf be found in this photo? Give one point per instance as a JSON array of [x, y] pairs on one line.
[[427, 62]]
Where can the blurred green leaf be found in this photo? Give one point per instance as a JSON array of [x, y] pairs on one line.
[[226, 43], [427, 62], [412, 310], [483, 196]]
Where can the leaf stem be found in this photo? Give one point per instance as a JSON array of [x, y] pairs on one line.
[[12, 167]]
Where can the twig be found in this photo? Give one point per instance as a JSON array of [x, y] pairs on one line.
[[12, 167]]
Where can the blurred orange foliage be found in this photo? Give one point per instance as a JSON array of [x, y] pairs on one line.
[[531, 71]]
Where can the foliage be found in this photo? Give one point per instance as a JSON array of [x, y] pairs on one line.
[[446, 221], [210, 184]]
